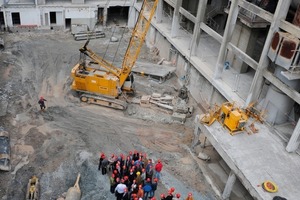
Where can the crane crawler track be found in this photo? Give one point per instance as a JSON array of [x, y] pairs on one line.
[[103, 101]]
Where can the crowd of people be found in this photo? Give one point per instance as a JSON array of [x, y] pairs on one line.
[[135, 177]]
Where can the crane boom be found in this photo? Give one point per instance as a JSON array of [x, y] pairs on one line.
[[138, 37]]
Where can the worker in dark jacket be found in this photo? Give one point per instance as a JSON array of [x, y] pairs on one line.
[[154, 187], [104, 165], [126, 195], [102, 156], [42, 103]]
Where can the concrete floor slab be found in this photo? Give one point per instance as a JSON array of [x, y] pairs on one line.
[[153, 69], [256, 158]]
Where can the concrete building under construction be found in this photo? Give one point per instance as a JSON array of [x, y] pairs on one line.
[[241, 51]]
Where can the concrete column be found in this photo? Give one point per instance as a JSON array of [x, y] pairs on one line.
[[231, 21], [197, 132], [229, 185], [294, 141], [258, 80], [131, 17], [245, 39], [211, 96], [175, 22], [197, 31], [159, 11], [105, 15]]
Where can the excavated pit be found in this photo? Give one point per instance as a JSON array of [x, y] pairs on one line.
[[67, 138]]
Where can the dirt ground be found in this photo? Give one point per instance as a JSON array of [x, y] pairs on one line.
[[67, 138]]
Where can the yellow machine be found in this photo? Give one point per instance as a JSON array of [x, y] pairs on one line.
[[102, 86], [233, 118], [32, 189]]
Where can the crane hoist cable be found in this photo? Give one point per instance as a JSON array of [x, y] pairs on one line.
[[112, 63]]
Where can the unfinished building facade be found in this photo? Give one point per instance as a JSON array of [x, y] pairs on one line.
[[237, 50]]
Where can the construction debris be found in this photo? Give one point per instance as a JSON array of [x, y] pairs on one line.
[[203, 156], [145, 101], [179, 117], [159, 73], [178, 106], [89, 35], [114, 39]]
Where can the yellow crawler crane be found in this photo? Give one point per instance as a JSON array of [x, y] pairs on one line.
[[103, 86]]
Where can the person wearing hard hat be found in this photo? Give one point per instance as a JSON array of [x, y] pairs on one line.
[[138, 178], [113, 185], [170, 195], [147, 188], [158, 168], [149, 169], [154, 187], [177, 196], [102, 156], [104, 165], [134, 187], [126, 195], [190, 196], [140, 193], [42, 103], [120, 189]]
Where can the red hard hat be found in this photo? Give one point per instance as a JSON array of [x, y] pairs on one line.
[[190, 194], [148, 179], [178, 195], [41, 97], [162, 196], [172, 189], [155, 180]]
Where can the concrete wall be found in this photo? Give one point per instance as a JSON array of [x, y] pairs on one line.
[[28, 16], [78, 1], [41, 2], [200, 88], [163, 45], [79, 11]]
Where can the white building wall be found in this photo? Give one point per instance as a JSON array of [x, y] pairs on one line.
[[81, 12], [28, 16]]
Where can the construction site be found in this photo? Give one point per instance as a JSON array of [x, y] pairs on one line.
[[208, 88]]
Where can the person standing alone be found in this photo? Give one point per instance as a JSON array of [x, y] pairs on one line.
[[158, 168], [42, 103]]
